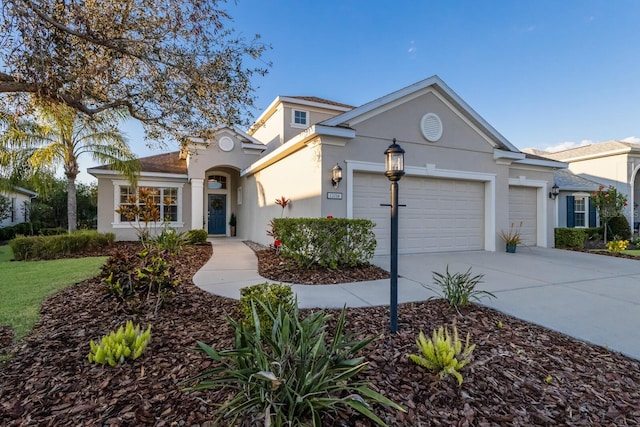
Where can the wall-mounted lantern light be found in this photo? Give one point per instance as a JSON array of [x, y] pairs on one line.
[[336, 176], [555, 190]]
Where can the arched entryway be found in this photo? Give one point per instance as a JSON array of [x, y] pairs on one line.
[[220, 199]]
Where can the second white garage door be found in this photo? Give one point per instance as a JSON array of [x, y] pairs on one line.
[[441, 214], [523, 209]]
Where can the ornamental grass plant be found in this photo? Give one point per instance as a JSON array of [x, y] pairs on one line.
[[291, 374]]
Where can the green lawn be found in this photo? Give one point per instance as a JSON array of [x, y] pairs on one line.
[[24, 285], [634, 252]]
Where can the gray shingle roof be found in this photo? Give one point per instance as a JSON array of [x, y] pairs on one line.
[[322, 101], [593, 150], [566, 180]]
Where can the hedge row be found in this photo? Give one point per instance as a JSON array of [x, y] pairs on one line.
[[570, 237], [28, 229], [49, 247], [324, 242]]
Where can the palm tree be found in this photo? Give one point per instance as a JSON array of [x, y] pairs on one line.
[[60, 135]]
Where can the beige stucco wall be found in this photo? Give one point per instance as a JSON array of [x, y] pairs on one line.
[[203, 158], [296, 177], [279, 128], [614, 170], [270, 132], [123, 230], [460, 149]]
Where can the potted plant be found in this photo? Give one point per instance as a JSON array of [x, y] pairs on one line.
[[232, 224], [512, 237]]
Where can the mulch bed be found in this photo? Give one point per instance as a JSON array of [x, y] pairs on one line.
[[522, 374], [592, 246], [274, 267]]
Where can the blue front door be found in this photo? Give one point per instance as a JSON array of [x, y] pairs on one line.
[[217, 214]]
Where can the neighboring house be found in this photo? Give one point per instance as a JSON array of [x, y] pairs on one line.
[[574, 207], [464, 181], [608, 163], [18, 198]]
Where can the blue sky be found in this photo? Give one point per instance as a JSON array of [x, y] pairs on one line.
[[543, 73]]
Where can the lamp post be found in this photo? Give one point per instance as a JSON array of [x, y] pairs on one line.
[[394, 169]]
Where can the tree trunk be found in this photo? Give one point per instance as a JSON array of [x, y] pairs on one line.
[[72, 209]]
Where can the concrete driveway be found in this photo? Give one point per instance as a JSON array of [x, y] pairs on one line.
[[594, 298]]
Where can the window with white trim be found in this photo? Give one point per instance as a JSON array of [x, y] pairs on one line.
[[164, 198], [579, 211], [299, 118]]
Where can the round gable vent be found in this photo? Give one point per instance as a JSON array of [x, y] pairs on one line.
[[225, 143], [431, 127]]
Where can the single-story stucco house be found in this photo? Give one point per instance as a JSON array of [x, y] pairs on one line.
[[615, 163], [464, 181], [18, 198]]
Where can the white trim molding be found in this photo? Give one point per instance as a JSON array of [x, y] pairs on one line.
[[197, 203], [430, 171], [117, 184]]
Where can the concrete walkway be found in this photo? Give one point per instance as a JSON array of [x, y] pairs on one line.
[[591, 297]]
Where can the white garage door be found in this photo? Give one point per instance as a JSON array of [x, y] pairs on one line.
[[523, 208], [441, 214]]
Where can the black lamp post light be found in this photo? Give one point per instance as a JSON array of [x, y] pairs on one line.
[[394, 169]]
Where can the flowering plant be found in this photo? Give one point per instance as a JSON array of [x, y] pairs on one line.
[[283, 202], [609, 204], [616, 246], [513, 235]]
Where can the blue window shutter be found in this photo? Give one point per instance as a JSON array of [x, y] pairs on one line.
[[592, 215], [571, 212]]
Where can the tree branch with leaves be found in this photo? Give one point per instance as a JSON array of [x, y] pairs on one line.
[[178, 67]]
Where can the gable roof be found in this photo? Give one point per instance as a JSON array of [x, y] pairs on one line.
[[438, 85], [308, 101], [600, 149]]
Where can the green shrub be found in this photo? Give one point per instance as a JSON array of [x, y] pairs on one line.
[[197, 237], [326, 242], [268, 294], [291, 375], [24, 228], [443, 353], [594, 233], [570, 237], [149, 276], [49, 247], [126, 343], [170, 240], [7, 233], [458, 289], [53, 231], [619, 228]]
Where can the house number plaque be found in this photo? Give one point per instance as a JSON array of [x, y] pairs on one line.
[[334, 196]]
